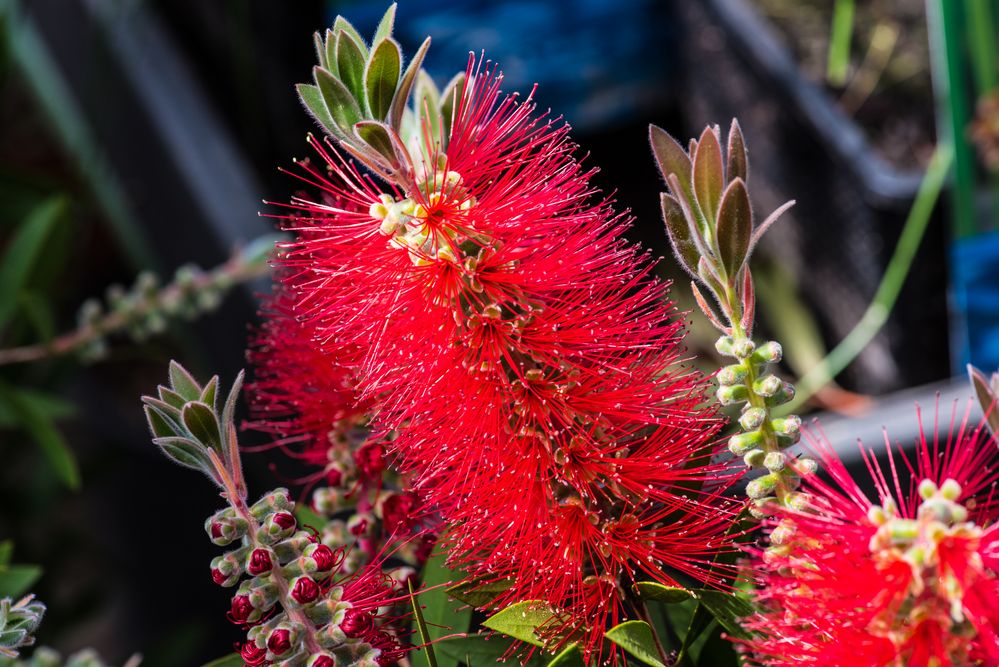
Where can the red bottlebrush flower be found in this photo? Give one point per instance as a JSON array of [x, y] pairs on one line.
[[260, 562], [370, 460], [523, 359], [910, 579]]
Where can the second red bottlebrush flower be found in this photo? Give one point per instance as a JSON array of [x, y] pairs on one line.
[[525, 365], [908, 580]]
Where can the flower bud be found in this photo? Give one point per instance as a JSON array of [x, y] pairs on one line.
[[241, 610], [226, 570], [806, 466], [224, 527], [731, 394], [323, 558], [730, 375], [761, 508], [260, 562], [950, 490], [356, 623], [724, 346], [743, 348], [768, 353], [762, 486], [754, 458], [252, 654], [370, 460], [279, 643], [781, 396], [327, 501], [927, 489], [775, 461], [397, 510], [277, 500], [277, 526], [322, 661], [304, 590], [360, 525], [767, 386], [291, 548], [743, 442], [752, 419]]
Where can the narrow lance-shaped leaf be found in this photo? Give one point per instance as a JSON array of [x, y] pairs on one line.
[[652, 590], [737, 162], [329, 48], [766, 224], [376, 135], [427, 105], [350, 59], [694, 230], [342, 25], [24, 251], [339, 103], [449, 103], [672, 159], [709, 178], [182, 382], [202, 422], [401, 97], [986, 398], [185, 452], [678, 230], [637, 638], [735, 227], [381, 77], [320, 45], [43, 431], [386, 25], [312, 99]]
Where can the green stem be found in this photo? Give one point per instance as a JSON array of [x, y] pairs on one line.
[[838, 64], [982, 44], [891, 284]]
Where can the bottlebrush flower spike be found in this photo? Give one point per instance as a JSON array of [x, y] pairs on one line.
[[911, 579], [522, 357]]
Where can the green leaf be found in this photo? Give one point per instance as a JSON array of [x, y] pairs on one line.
[[319, 44], [401, 96], [209, 391], [312, 98], [651, 590], [443, 615], [521, 620], [172, 398], [679, 232], [339, 102], [570, 656], [24, 251], [231, 660], [229, 413], [427, 105], [381, 77], [342, 26], [479, 650], [708, 175], [350, 59], [6, 552], [449, 102], [735, 227], [328, 61], [737, 165], [182, 382], [479, 594], [50, 405], [160, 424], [376, 135], [986, 399], [427, 649], [41, 429], [202, 422], [306, 517], [727, 609], [185, 452], [16, 580], [672, 159], [386, 25], [636, 638]]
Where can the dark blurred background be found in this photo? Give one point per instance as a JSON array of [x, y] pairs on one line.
[[160, 125]]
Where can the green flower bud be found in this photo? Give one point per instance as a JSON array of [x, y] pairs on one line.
[[752, 419], [754, 458], [762, 486], [729, 395], [743, 442]]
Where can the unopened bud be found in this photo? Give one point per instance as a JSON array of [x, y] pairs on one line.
[[304, 590], [761, 508], [280, 641], [223, 528], [782, 395], [356, 623], [762, 486], [241, 610], [743, 442], [950, 490], [323, 558], [326, 500], [743, 348], [724, 346], [260, 562], [733, 374], [754, 458], [782, 532], [799, 501], [767, 386], [277, 500], [927, 489], [775, 461], [768, 353], [731, 394], [806, 466], [752, 419], [322, 661]]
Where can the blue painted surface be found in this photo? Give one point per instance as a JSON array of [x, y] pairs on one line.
[[975, 291]]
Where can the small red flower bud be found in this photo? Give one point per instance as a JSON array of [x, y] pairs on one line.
[[356, 623], [241, 609], [279, 642], [218, 577], [324, 661], [370, 460], [251, 655], [358, 525], [260, 562], [333, 478], [218, 530], [397, 513], [285, 520], [324, 558], [305, 590]]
